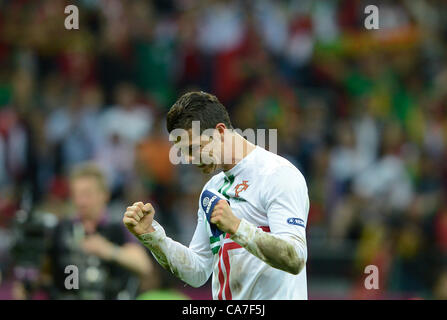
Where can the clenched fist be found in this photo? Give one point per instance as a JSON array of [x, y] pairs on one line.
[[138, 218], [223, 217]]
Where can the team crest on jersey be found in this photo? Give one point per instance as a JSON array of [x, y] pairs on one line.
[[240, 187]]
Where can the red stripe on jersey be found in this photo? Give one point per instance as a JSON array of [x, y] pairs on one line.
[[226, 259], [223, 253], [220, 276]]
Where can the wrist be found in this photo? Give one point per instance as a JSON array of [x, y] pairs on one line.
[[245, 233], [150, 238], [235, 226], [150, 229]]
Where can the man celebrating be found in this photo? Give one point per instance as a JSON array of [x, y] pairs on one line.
[[252, 215]]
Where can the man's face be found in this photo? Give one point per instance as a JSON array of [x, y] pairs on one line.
[[88, 197], [204, 151]]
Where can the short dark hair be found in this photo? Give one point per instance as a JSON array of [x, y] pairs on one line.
[[197, 106]]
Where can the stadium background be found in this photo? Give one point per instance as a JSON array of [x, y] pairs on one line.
[[363, 114]]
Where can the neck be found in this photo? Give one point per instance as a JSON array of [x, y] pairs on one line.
[[238, 142]]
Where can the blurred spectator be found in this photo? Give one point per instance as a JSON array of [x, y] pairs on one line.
[[387, 179], [122, 126], [103, 251]]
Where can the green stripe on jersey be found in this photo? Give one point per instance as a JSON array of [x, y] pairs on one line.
[[225, 182], [228, 181], [223, 186], [224, 192], [214, 239]]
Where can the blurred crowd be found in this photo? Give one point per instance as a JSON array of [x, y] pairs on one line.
[[362, 113]]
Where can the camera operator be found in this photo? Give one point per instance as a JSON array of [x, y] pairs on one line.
[[110, 264]]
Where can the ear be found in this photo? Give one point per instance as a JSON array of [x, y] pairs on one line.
[[221, 127]]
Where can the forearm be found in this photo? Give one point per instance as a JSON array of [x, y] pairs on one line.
[[132, 257], [173, 256], [280, 252]]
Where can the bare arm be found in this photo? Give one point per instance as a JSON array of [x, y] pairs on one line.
[[132, 257]]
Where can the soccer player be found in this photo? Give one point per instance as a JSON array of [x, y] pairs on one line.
[[253, 238]]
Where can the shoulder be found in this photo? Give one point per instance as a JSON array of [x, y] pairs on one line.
[[284, 187], [276, 169]]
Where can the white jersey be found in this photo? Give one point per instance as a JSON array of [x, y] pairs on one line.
[[269, 195]]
